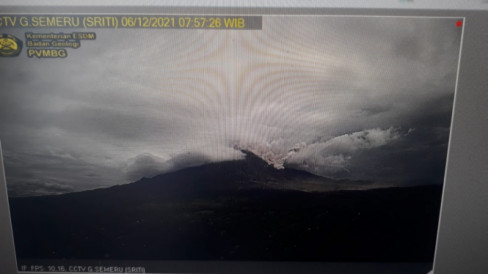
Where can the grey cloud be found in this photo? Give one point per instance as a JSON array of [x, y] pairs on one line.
[[332, 157], [47, 171], [416, 159], [145, 165], [148, 165], [330, 81], [26, 188]]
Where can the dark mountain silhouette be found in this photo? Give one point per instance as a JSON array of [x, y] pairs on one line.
[[232, 210], [249, 173]]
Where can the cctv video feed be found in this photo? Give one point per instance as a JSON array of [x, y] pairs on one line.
[[131, 140]]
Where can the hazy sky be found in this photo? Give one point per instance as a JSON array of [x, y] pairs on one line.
[[360, 98]]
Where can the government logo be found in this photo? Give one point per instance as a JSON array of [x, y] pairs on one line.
[[10, 45]]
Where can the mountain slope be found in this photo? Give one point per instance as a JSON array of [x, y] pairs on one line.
[[233, 210], [249, 173]]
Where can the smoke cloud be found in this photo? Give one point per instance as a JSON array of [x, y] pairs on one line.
[[332, 95], [334, 155]]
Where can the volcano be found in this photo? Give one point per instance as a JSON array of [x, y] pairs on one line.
[[252, 172], [232, 210]]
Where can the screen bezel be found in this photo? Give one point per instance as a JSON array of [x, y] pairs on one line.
[[463, 187]]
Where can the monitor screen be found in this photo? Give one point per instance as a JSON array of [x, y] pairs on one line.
[[164, 140]]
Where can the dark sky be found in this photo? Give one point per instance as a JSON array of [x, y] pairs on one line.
[[344, 97]]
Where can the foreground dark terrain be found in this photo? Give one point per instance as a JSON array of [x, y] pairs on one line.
[[236, 210]]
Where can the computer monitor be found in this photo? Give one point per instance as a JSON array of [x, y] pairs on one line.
[[228, 137]]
